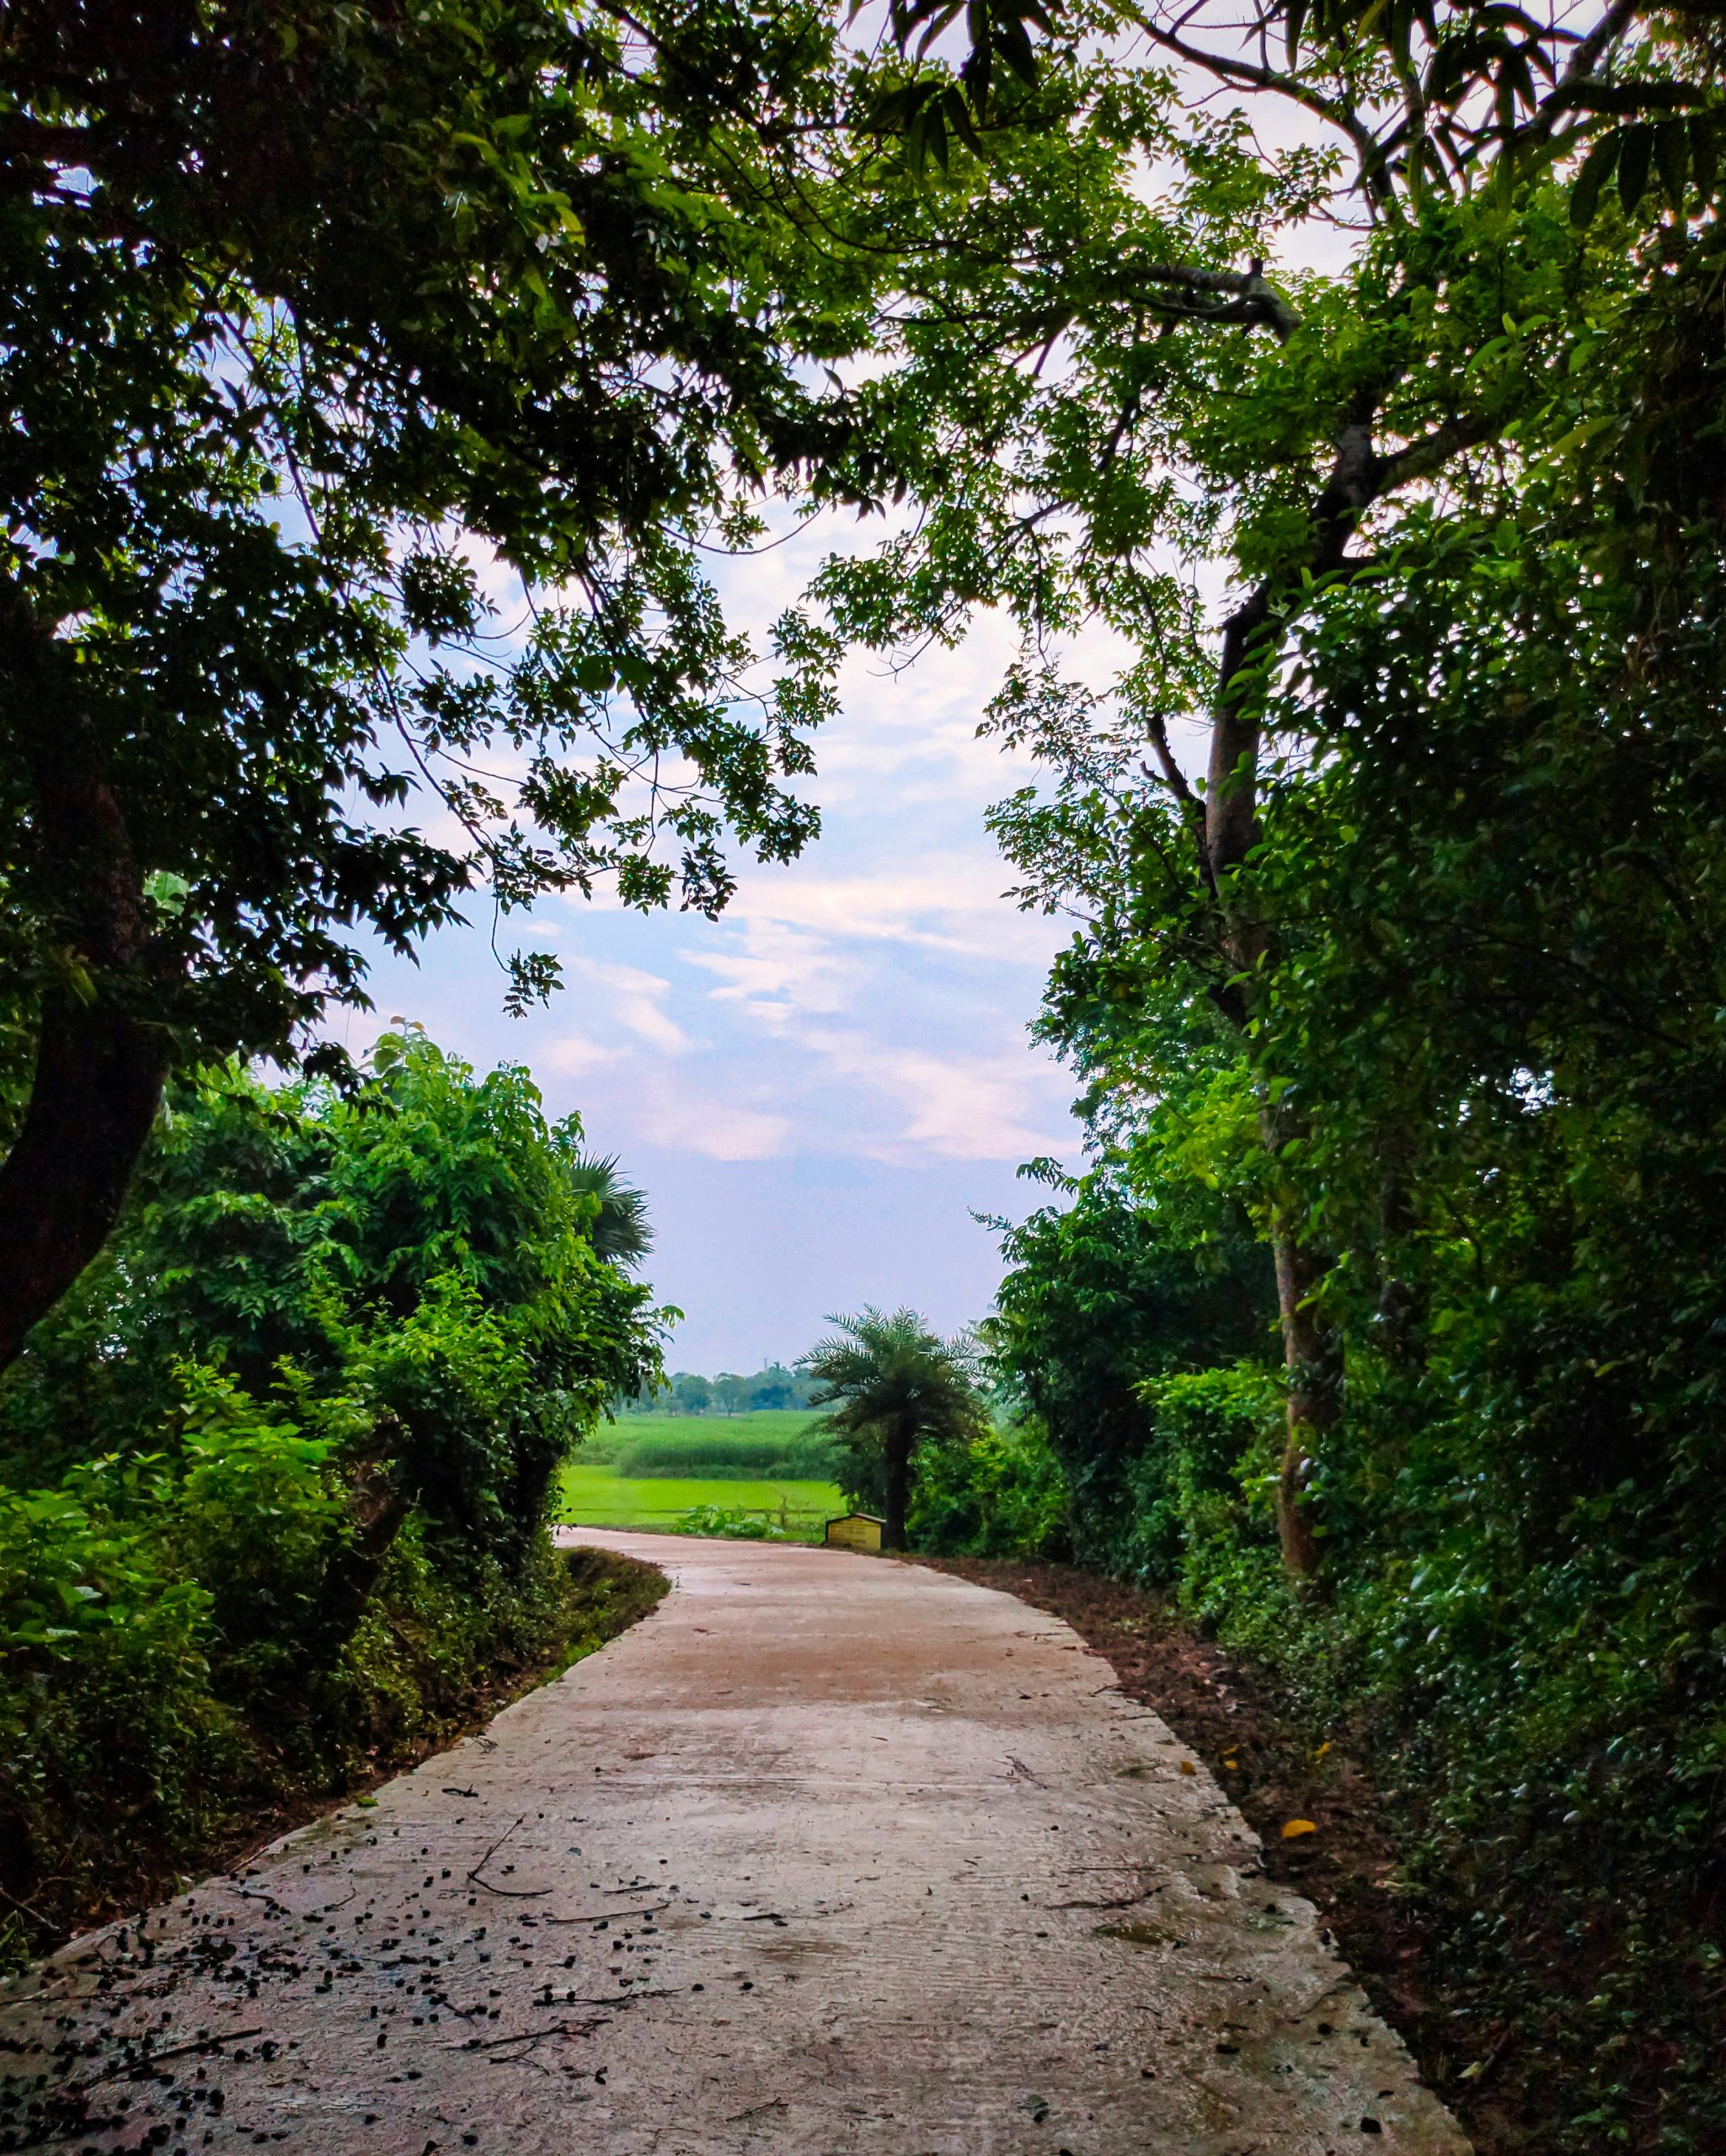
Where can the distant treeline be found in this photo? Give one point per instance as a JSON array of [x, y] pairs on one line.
[[686, 1393]]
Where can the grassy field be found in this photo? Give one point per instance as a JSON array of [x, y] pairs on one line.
[[776, 1445], [646, 1471], [596, 1495]]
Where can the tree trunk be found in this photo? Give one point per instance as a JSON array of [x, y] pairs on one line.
[[1229, 831], [1310, 1353], [98, 1085], [379, 1505], [100, 1064], [1226, 829], [898, 1463]]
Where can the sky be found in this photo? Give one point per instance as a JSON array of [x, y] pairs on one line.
[[820, 1089]]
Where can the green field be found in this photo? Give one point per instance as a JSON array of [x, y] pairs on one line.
[[775, 1444], [646, 1471], [596, 1496]]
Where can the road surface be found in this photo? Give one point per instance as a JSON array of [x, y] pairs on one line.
[[829, 1856]]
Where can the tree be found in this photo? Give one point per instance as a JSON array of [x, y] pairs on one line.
[[692, 1393], [320, 326], [1106, 402], [406, 1270], [621, 1231], [1141, 1272], [731, 1393], [893, 1385]]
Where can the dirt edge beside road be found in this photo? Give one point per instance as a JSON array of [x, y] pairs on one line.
[[1269, 1765]]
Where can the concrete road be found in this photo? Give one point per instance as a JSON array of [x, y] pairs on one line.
[[830, 1856]]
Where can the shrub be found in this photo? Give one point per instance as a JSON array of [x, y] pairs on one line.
[[1002, 1495], [279, 1467], [110, 1732], [728, 1523], [139, 1731]]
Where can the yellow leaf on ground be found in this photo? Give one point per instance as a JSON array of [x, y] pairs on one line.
[[1188, 1768], [1292, 1828]]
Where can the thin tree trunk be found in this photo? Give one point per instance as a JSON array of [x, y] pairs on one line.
[[1310, 1351], [898, 1463], [378, 1506], [1227, 835]]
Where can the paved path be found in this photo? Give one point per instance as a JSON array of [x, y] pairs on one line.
[[830, 1856]]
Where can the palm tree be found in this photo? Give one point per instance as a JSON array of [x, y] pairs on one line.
[[620, 1231], [893, 1385]]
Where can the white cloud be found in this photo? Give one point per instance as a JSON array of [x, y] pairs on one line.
[[705, 1123], [637, 1002], [773, 969], [964, 1107], [950, 902], [575, 1055]]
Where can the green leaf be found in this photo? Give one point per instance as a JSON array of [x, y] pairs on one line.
[[1672, 159], [1297, 20], [1635, 155], [1597, 168]]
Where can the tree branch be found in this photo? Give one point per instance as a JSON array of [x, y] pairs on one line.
[[1255, 301], [1244, 74]]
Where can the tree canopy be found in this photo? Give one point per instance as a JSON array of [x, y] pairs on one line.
[[1106, 403], [335, 341], [1391, 457]]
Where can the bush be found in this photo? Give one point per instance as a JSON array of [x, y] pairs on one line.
[[1200, 1517], [1003, 1495], [138, 1733], [279, 1465], [729, 1523], [110, 1732]]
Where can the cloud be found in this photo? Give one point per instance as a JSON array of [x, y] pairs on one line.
[[637, 1001], [773, 969], [703, 1121], [964, 1107], [949, 902], [576, 1055]]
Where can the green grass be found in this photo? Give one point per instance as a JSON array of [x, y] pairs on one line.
[[772, 1445], [595, 1495]]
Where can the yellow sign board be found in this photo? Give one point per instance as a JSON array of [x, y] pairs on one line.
[[856, 1531]]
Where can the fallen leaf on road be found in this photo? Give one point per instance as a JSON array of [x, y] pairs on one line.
[[1292, 1828]]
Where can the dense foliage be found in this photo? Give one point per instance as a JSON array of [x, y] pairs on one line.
[[1383, 1326], [278, 1471], [334, 340], [1399, 1026]]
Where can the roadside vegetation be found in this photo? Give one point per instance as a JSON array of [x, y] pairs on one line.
[[893, 1391], [277, 1471]]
